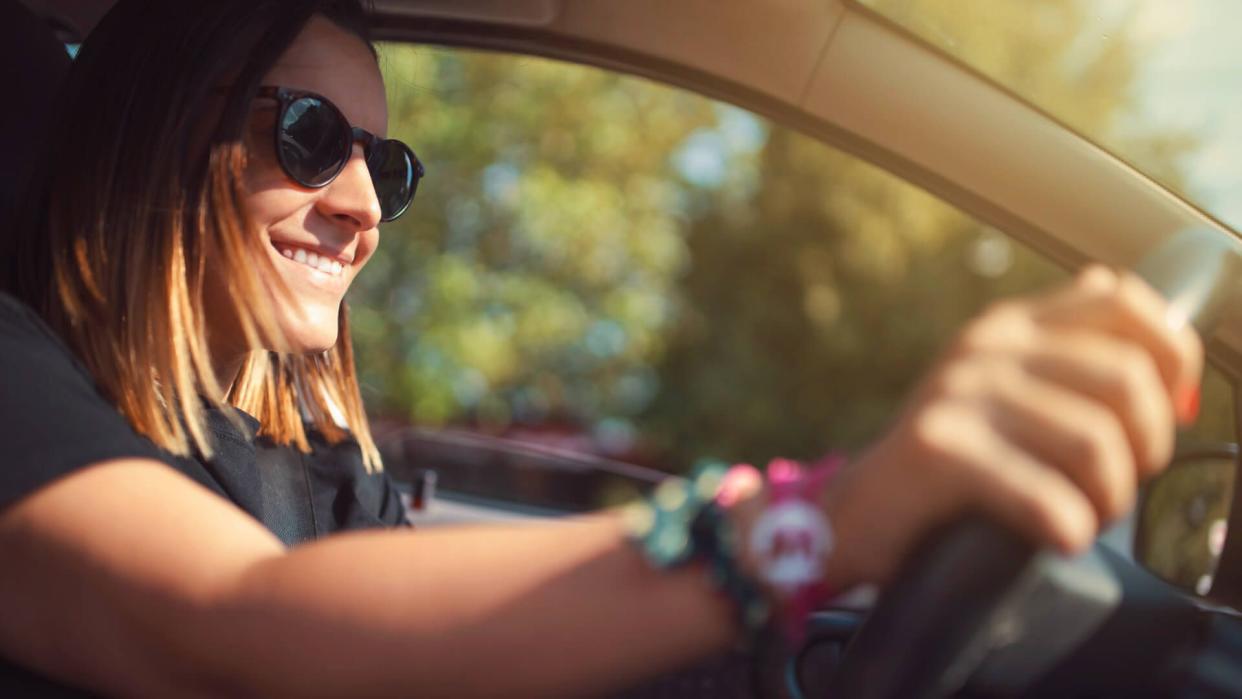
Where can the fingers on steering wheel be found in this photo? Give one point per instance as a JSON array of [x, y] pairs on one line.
[[1065, 430], [1006, 481], [1118, 375], [1125, 306]]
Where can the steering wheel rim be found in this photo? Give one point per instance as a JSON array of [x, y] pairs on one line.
[[932, 627]]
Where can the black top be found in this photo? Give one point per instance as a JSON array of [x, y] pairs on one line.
[[53, 421]]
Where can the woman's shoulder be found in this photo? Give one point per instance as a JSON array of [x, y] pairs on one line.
[[11, 306], [32, 355], [19, 321], [53, 419]]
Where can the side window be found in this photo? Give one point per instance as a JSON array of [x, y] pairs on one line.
[[599, 262]]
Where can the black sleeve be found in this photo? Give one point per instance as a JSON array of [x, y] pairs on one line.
[[53, 420]]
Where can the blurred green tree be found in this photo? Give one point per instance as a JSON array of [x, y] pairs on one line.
[[812, 310], [534, 277], [677, 277]]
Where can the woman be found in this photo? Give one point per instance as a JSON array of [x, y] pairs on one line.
[[170, 275]]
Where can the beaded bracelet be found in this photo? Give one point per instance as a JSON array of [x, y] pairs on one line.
[[684, 521], [687, 521]]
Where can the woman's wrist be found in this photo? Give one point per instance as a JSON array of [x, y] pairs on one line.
[[767, 548], [840, 573], [869, 513]]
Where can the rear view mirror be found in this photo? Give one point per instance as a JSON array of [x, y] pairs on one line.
[[1183, 518]]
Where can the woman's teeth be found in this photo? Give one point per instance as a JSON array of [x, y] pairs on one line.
[[322, 263]]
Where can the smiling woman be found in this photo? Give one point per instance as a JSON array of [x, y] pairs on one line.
[[184, 432], [200, 273], [316, 257]]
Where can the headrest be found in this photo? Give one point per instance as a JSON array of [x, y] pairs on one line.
[[34, 64]]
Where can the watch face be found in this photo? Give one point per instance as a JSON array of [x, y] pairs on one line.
[[790, 541]]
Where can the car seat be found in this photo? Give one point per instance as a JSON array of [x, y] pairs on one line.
[[35, 63]]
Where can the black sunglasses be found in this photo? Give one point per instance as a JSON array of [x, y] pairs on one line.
[[314, 141]]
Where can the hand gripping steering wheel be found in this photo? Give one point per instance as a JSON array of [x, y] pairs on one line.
[[976, 587]]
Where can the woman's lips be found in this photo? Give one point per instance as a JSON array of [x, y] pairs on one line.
[[313, 260]]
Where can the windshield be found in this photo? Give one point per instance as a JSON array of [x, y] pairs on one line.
[[1157, 82]]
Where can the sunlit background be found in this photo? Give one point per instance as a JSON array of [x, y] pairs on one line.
[[628, 269], [1167, 76]]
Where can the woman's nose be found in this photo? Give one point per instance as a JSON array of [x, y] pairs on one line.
[[350, 198]]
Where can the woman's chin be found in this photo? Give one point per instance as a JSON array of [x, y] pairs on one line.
[[314, 330], [313, 343]]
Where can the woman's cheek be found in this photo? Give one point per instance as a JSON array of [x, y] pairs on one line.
[[269, 200], [368, 241]]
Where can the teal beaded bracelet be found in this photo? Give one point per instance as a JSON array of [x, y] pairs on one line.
[[683, 523]]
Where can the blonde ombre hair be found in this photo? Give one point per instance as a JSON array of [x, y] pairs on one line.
[[142, 190]]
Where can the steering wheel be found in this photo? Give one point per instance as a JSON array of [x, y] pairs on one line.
[[956, 599], [977, 591]]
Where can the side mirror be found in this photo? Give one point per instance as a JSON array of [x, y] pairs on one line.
[[1183, 518]]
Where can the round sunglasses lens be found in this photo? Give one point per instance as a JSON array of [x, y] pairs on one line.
[[394, 178], [312, 141]]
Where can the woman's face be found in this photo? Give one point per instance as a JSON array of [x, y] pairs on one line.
[[317, 239]]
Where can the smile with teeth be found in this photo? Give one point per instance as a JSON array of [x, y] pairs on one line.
[[321, 263]]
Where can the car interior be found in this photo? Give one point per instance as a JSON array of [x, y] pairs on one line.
[[977, 612]]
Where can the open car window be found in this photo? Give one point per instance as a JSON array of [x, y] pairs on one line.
[[600, 264]]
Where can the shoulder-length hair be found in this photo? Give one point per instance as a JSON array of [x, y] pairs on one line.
[[141, 191]]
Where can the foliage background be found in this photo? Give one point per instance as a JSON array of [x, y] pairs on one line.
[[659, 277]]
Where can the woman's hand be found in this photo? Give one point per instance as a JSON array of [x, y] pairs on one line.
[[1045, 413]]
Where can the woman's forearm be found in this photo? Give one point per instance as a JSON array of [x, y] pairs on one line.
[[127, 578], [526, 610]]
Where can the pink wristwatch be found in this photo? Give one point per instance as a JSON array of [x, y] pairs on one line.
[[792, 539]]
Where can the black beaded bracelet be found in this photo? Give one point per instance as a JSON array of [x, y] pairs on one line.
[[719, 548], [682, 523]]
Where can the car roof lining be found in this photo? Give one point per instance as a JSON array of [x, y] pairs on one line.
[[847, 76]]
